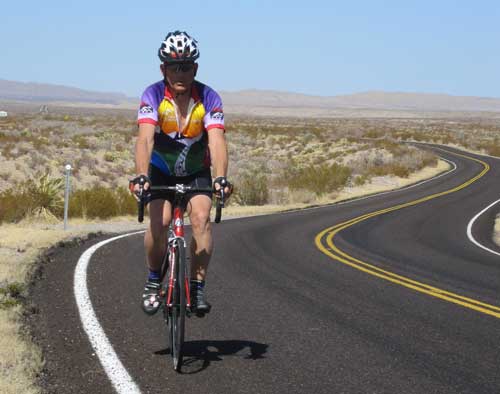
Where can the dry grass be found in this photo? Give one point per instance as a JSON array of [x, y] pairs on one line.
[[20, 361]]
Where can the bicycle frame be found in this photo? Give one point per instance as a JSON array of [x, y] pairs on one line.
[[176, 236]]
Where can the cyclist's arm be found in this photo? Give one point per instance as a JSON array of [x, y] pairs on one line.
[[218, 154], [144, 148], [218, 151]]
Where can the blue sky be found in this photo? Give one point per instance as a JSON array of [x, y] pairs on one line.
[[313, 47]]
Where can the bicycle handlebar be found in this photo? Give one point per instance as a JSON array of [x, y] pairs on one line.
[[180, 189]]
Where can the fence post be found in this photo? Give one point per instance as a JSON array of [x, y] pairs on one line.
[[66, 196]]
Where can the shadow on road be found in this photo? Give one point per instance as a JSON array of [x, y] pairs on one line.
[[199, 354]]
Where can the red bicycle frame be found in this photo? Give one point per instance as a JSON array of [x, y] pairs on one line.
[[178, 236]]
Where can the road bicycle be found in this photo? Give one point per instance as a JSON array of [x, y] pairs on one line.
[[175, 295]]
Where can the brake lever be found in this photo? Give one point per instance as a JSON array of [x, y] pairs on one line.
[[140, 204]]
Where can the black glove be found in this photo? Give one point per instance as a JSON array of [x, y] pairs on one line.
[[223, 183], [140, 180]]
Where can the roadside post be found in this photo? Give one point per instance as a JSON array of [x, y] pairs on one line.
[[66, 196]]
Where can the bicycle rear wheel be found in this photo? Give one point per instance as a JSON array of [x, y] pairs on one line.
[[176, 322]]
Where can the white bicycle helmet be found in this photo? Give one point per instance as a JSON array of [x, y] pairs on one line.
[[178, 47]]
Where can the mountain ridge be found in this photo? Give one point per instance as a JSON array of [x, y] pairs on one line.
[[261, 98]]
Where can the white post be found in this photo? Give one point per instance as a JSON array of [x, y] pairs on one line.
[[66, 196]]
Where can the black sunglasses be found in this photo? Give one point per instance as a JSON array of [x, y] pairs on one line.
[[180, 67]]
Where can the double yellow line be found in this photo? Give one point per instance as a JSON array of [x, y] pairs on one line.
[[325, 242]]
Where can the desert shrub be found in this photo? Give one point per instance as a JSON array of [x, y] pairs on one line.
[[13, 206], [127, 205], [494, 150], [373, 134], [101, 202], [11, 294], [81, 142], [389, 169], [251, 189], [360, 180], [120, 148], [429, 160], [45, 195], [318, 179], [40, 196], [109, 157], [491, 147], [97, 202]]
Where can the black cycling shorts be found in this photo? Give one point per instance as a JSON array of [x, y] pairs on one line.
[[202, 179]]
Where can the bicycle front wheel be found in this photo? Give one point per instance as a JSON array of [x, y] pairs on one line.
[[178, 310]]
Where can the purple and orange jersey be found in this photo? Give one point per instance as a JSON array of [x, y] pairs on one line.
[[181, 152]]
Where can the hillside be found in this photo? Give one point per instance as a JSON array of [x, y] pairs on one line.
[[265, 102], [43, 92]]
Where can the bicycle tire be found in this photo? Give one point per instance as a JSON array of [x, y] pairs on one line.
[[178, 310]]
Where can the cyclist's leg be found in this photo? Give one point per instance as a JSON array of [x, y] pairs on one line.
[[155, 239], [198, 210], [201, 250]]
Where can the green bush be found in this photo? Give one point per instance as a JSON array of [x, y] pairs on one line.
[[389, 169], [81, 142], [109, 157], [127, 205], [45, 195], [360, 180], [251, 189], [319, 179], [102, 203], [41, 196], [97, 202], [13, 207]]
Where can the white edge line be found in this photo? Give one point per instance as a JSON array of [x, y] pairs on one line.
[[471, 223], [117, 374]]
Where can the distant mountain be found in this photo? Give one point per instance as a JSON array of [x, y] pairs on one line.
[[42, 92], [265, 102], [366, 100]]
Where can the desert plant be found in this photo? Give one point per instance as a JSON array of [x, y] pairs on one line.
[[127, 204], [318, 179], [13, 206], [40, 196], [44, 194], [109, 157], [97, 202], [251, 189]]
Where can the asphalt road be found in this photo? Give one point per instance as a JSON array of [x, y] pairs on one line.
[[289, 318]]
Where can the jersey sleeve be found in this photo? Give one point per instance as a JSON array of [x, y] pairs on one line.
[[214, 117], [148, 110]]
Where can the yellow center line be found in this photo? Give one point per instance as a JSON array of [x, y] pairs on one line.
[[331, 250]]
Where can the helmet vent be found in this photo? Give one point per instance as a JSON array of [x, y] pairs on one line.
[[177, 47]]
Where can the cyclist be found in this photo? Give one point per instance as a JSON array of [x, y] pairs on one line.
[[181, 135]]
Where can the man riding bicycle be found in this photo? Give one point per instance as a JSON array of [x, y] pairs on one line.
[[181, 134]]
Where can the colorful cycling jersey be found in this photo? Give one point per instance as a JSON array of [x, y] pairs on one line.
[[181, 152]]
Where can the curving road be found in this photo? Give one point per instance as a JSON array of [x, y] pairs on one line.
[[396, 301]]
